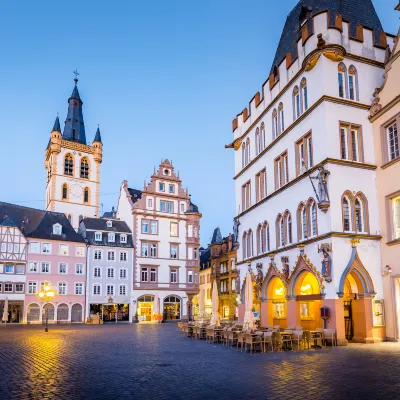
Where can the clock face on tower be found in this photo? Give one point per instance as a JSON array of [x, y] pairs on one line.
[[76, 190]]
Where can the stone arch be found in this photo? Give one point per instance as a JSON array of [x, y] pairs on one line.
[[33, 313], [62, 312], [77, 313], [272, 273]]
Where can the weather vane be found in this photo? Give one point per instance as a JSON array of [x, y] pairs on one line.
[[76, 73]]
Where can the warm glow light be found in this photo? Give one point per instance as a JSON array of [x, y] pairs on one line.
[[41, 294], [50, 293], [306, 289], [279, 291], [47, 288]]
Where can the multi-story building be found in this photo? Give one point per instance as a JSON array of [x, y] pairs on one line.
[[57, 258], [224, 272], [109, 268], [73, 166], [385, 116], [13, 254], [305, 174], [205, 283], [166, 231]]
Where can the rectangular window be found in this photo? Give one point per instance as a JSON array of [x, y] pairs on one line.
[[351, 87], [45, 268], [170, 206], [351, 142], [97, 272], [145, 226], [297, 103], [154, 227], [196, 253], [64, 249], [150, 203], [46, 248], [32, 287], [174, 229], [190, 277], [62, 288], [98, 254], [153, 275], [96, 290], [79, 289], [144, 275], [123, 239], [122, 273], [62, 268], [8, 287], [110, 290], [261, 182], [34, 247], [110, 272], [281, 170], [97, 236], [80, 251], [174, 276], [304, 154], [393, 142], [153, 250], [163, 206], [78, 269], [123, 256], [396, 217], [111, 255], [341, 84], [9, 269], [33, 266], [145, 249], [161, 187], [19, 269], [111, 237], [122, 290], [19, 287], [182, 208], [246, 195], [172, 188], [174, 251]]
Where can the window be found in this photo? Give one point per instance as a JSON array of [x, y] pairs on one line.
[[342, 80], [304, 223], [346, 214], [79, 289], [97, 272], [62, 268], [174, 229], [64, 249], [296, 103], [68, 165], [123, 239], [304, 154], [153, 250], [163, 206], [258, 142], [190, 277], [111, 256], [351, 142], [172, 188], [304, 95], [109, 224], [145, 249], [170, 206], [98, 254], [314, 230], [34, 247], [161, 187], [32, 287], [62, 288], [244, 245], [174, 251], [111, 237], [9, 269], [19, 287], [8, 287], [260, 240], [19, 269], [281, 171], [110, 290], [243, 155], [122, 290], [261, 182], [154, 227], [150, 203], [45, 268], [96, 290], [190, 230], [33, 266], [78, 269], [288, 224], [84, 168], [123, 256], [359, 216], [123, 273], [86, 195], [57, 229], [396, 217], [275, 124], [250, 249], [145, 226], [248, 151], [144, 275], [110, 272], [393, 142], [353, 82], [265, 240], [182, 208], [64, 192], [246, 195], [80, 251], [196, 253], [98, 236], [281, 117], [174, 276]]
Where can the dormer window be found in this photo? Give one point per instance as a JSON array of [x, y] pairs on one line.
[[57, 229], [123, 238], [111, 237], [109, 224], [172, 188], [162, 187], [97, 236]]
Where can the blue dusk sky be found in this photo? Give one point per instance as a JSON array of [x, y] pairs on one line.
[[164, 79]]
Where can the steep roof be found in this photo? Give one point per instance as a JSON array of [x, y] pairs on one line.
[[192, 209], [353, 11], [217, 237], [204, 259], [99, 224], [136, 194]]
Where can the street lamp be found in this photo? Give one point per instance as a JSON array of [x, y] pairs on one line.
[[47, 293]]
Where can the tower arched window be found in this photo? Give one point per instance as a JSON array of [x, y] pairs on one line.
[[258, 142], [250, 251], [260, 240], [282, 233], [85, 168], [361, 214], [244, 245], [275, 124], [262, 135], [69, 165], [313, 213], [353, 83], [247, 151], [281, 117], [304, 223], [64, 192], [296, 103], [86, 195], [342, 80], [243, 155], [266, 237], [288, 223], [346, 214], [304, 94]]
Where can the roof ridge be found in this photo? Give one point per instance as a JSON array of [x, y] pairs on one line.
[[25, 207]]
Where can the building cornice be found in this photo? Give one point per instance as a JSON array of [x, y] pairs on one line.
[[390, 163], [304, 176]]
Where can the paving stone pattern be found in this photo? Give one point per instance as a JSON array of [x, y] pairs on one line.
[[154, 362]]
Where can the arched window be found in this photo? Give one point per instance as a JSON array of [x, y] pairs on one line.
[[275, 125], [281, 117], [247, 151], [346, 214], [304, 223], [244, 245], [359, 215], [85, 168], [296, 103], [266, 237], [64, 193], [353, 83], [304, 94], [250, 251], [288, 221], [260, 240], [86, 195], [243, 155], [258, 141], [282, 233], [263, 135], [69, 165], [313, 213], [342, 80]]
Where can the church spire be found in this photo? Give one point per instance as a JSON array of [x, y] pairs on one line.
[[56, 126], [97, 138], [74, 129]]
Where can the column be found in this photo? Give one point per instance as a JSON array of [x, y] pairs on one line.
[[264, 310], [336, 320], [293, 311]]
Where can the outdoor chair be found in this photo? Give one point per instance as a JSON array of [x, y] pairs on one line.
[[277, 327], [232, 337], [299, 328], [307, 339], [291, 328], [330, 335], [240, 340], [277, 340], [209, 334], [252, 341], [321, 332], [298, 337], [268, 341], [286, 339]]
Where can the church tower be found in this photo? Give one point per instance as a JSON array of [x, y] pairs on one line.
[[73, 166]]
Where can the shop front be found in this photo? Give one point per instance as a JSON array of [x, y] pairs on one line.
[[145, 305], [15, 311], [172, 308], [111, 312]]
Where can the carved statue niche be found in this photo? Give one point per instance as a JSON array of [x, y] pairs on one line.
[[323, 195], [285, 268], [236, 224], [259, 278], [325, 249], [375, 107], [238, 282]]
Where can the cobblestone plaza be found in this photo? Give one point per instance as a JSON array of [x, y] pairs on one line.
[[155, 362]]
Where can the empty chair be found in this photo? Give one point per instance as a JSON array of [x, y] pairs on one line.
[[298, 337], [321, 332], [287, 338], [307, 339], [277, 327], [253, 341], [277, 340], [240, 340], [299, 328], [291, 327], [330, 335], [268, 341]]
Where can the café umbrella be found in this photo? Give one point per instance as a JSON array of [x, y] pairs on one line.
[[5, 311], [202, 304], [248, 323], [215, 317]]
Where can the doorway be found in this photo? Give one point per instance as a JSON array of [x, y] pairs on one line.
[[348, 320]]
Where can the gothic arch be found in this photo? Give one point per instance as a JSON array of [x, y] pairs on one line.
[[272, 273]]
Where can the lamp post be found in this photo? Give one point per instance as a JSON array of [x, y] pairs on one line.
[[47, 293]]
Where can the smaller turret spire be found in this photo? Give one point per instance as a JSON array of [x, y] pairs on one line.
[[97, 138], [56, 126]]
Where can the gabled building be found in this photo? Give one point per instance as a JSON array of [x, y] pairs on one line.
[[109, 267], [166, 232], [205, 284]]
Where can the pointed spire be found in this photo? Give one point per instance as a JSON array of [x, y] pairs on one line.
[[56, 126], [97, 138]]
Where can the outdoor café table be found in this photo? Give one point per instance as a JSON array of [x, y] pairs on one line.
[[315, 336]]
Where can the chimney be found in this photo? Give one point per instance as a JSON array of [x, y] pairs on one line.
[[230, 242]]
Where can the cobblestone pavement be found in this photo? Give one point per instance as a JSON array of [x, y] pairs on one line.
[[154, 362]]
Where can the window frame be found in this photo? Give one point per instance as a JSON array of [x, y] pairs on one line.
[[303, 146], [346, 140]]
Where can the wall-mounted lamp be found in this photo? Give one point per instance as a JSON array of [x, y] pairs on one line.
[[387, 271]]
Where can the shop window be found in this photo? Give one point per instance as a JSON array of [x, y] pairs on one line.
[[378, 312]]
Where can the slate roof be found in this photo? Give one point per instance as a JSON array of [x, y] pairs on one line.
[[100, 224], [193, 209], [110, 214], [7, 222], [97, 137], [217, 237], [56, 126], [136, 194], [353, 11], [204, 259]]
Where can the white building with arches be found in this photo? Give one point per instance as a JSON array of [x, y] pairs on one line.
[[305, 174]]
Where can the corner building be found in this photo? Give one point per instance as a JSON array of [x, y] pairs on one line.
[[305, 175], [165, 225]]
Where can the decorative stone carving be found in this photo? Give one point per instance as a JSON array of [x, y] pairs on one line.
[[285, 268], [325, 249], [312, 62], [354, 242], [321, 42], [322, 195], [335, 55], [375, 107], [259, 277], [236, 224], [237, 144]]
